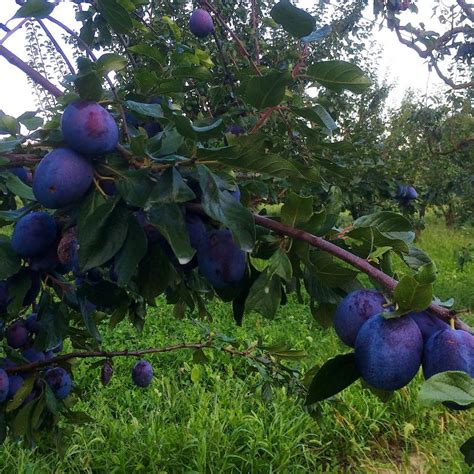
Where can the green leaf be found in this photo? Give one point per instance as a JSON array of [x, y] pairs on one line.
[[222, 207], [333, 377], [294, 20], [9, 145], [297, 210], [411, 295], [265, 295], [149, 110], [89, 86], [10, 262], [116, 15], [102, 234], [35, 9], [279, 264], [110, 62], [467, 449], [426, 273], [21, 394], [9, 125], [340, 75], [329, 273], [155, 273], [199, 73], [149, 52], [316, 114], [130, 255], [18, 187], [22, 422], [266, 91], [452, 386], [30, 120], [323, 313], [169, 220], [171, 188], [384, 221], [135, 187]]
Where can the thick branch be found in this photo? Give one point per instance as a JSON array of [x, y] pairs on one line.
[[34, 75], [467, 9]]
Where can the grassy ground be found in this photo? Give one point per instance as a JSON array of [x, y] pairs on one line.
[[216, 424]]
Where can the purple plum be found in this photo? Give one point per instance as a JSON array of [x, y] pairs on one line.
[[142, 373], [200, 23], [17, 334], [4, 385], [62, 177], [60, 382], [89, 129]]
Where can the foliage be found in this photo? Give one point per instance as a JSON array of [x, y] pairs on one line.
[[134, 211]]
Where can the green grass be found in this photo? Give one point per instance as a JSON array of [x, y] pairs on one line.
[[218, 424]]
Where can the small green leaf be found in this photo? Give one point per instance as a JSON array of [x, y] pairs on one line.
[[110, 62], [411, 295], [149, 110], [316, 114], [18, 187], [296, 21], [340, 75], [467, 449], [35, 9], [10, 262], [21, 394], [265, 295], [266, 91], [116, 15], [171, 188], [279, 264], [149, 52], [452, 386], [333, 377], [297, 210], [9, 125]]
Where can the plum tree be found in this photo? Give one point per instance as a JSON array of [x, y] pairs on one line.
[[220, 261], [354, 310], [62, 178], [200, 23], [382, 360], [17, 334], [89, 129], [33, 234], [428, 324], [4, 385], [32, 355], [59, 381], [142, 373], [449, 349]]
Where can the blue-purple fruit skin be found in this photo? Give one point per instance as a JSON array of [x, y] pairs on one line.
[[62, 178], [235, 129], [4, 385], [142, 373], [17, 335], [449, 349], [354, 310], [21, 173], [32, 324], [34, 234], [32, 355], [195, 227], [220, 261], [60, 382], [46, 262], [152, 128], [200, 23], [388, 352], [89, 129], [428, 324], [15, 383]]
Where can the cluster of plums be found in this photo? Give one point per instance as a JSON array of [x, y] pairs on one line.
[[389, 352], [20, 335]]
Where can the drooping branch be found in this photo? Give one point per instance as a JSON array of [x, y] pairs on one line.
[[30, 72]]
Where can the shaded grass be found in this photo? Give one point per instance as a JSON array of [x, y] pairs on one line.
[[219, 424]]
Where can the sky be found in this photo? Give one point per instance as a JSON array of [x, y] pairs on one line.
[[398, 63]]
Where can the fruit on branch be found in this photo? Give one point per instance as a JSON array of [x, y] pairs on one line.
[[220, 261], [108, 186], [106, 373], [4, 385], [15, 383], [354, 310], [449, 349], [152, 128], [62, 178], [17, 334], [235, 129], [89, 129], [406, 194], [427, 324], [142, 373], [34, 234], [59, 381], [200, 23], [195, 227], [388, 352], [47, 262]]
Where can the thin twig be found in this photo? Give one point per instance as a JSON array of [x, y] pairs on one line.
[[13, 30]]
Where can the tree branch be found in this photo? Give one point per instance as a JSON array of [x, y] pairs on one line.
[[13, 30], [467, 9]]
